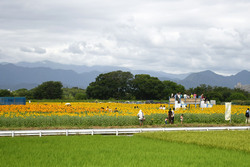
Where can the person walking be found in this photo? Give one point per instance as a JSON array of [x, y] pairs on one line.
[[247, 116], [172, 116], [169, 116], [141, 117]]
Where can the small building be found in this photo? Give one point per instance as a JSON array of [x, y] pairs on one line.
[[243, 87], [12, 101]]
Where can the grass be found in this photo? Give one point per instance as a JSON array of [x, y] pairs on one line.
[[105, 121], [115, 151], [235, 140]]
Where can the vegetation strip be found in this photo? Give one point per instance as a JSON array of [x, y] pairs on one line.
[[112, 151], [235, 140], [83, 115]]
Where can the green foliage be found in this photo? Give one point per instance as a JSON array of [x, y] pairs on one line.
[[202, 89], [23, 93], [220, 94], [241, 102], [146, 87], [88, 121], [48, 90], [123, 85], [237, 96], [74, 93], [81, 96], [214, 96], [235, 140], [171, 87], [5, 93], [116, 84], [115, 151]]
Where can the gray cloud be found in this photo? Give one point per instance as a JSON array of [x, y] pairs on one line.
[[25, 49], [172, 36], [37, 50]]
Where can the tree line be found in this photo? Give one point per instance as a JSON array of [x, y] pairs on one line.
[[121, 85]]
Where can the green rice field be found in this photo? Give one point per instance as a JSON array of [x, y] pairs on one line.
[[144, 149]]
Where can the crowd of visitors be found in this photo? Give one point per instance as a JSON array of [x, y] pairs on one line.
[[178, 96], [170, 118]]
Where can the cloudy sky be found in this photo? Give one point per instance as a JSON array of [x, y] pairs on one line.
[[174, 36]]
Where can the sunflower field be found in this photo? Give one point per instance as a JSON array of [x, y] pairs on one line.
[[83, 114]]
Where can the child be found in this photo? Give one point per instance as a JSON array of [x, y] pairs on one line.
[[166, 121], [181, 117]]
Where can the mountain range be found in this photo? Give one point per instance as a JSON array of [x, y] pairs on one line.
[[29, 75]]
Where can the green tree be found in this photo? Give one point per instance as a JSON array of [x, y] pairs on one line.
[[81, 96], [224, 91], [23, 93], [214, 96], [172, 87], [202, 89], [220, 94], [48, 90], [70, 93], [146, 87], [116, 84], [5, 93], [237, 96]]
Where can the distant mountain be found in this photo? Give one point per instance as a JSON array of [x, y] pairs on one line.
[[161, 75], [213, 79], [16, 77], [101, 69], [76, 68]]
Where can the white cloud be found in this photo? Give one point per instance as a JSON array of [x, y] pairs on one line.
[[171, 36]]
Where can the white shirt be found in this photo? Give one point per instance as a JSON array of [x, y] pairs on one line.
[[140, 114]]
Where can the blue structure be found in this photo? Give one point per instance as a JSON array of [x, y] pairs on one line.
[[12, 100]]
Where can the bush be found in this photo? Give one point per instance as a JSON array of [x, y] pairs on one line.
[[237, 96]]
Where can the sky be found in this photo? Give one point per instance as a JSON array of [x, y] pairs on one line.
[[173, 36]]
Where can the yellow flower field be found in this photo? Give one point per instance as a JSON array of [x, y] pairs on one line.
[[82, 109]]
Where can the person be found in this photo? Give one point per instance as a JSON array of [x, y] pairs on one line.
[[247, 115], [116, 110], [67, 104], [172, 116], [141, 117], [177, 97], [185, 96], [166, 120], [172, 95], [202, 97], [108, 109], [181, 118], [169, 115]]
